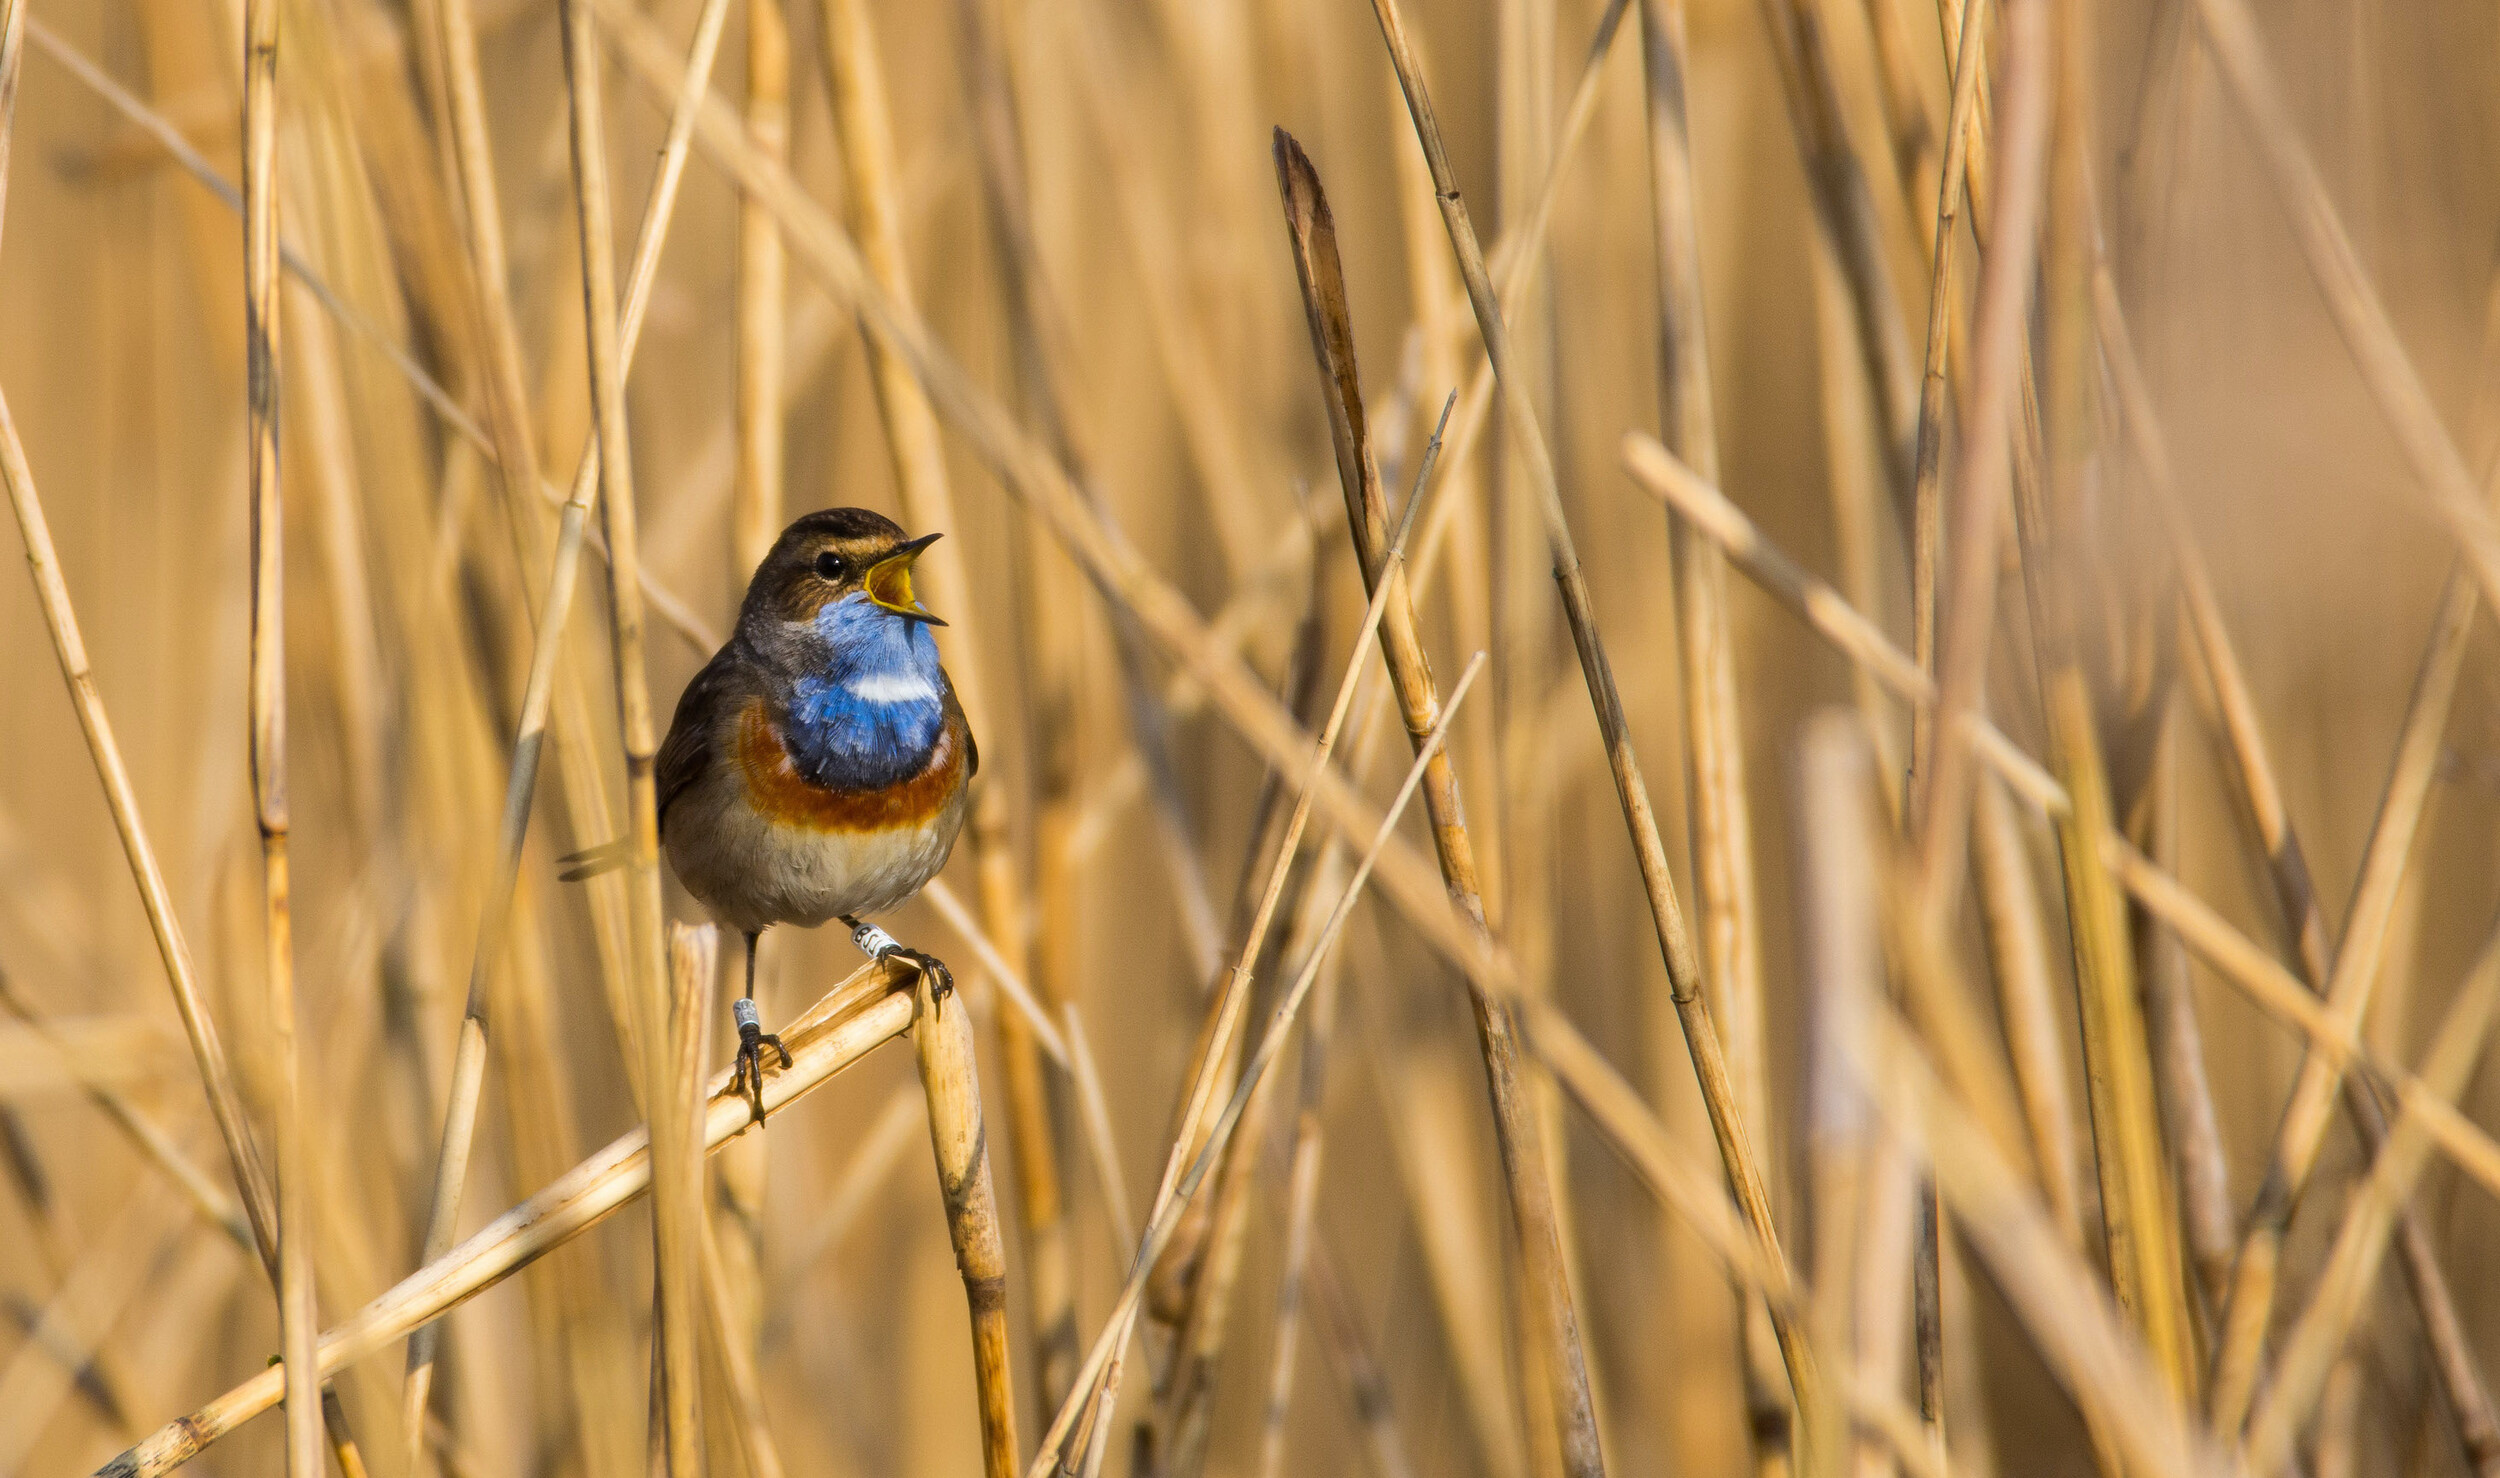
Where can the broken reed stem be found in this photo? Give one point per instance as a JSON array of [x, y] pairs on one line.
[[843, 1026], [1181, 1187], [942, 1041], [2302, 1130], [299, 1315], [555, 608], [1313, 234], [1683, 970]]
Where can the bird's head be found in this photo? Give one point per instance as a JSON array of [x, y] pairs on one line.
[[832, 556]]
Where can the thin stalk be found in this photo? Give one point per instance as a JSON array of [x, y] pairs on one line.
[[1721, 817], [1675, 944], [676, 1246], [299, 1316], [677, 1201], [1927, 469], [755, 510]]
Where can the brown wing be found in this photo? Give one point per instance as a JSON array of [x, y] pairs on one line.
[[711, 697]]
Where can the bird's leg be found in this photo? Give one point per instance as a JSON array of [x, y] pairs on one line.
[[878, 944], [748, 1076]]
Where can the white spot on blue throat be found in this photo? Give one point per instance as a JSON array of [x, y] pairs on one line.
[[873, 711]]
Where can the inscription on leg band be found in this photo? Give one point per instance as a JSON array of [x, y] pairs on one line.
[[744, 1012], [874, 942]]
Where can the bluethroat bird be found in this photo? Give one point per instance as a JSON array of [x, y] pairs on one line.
[[818, 766]]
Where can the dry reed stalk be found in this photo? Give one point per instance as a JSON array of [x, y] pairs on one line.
[[1856, 1168], [950, 1076], [2138, 1218], [844, 1025], [2244, 965], [1846, 222], [1927, 467], [2462, 1385], [2018, 951], [2352, 1265], [1180, 1184], [727, 1315], [1525, 1163], [537, 695], [1701, 1038], [1966, 607], [2306, 1115], [755, 515], [299, 1315], [2344, 285], [1721, 819], [676, 1240], [1302, 1188]]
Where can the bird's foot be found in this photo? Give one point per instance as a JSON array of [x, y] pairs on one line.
[[878, 945], [746, 1080]]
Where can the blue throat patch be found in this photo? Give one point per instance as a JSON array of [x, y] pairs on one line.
[[872, 712]]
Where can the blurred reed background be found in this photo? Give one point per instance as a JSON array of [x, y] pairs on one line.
[[2042, 1154]]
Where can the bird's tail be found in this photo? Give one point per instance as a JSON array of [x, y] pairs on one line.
[[590, 862]]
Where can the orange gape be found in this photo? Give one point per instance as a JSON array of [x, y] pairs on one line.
[[777, 790]]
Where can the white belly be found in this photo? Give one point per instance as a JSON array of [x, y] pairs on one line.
[[752, 871]]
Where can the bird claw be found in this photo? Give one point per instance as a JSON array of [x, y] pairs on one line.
[[746, 1080], [941, 979], [877, 944]]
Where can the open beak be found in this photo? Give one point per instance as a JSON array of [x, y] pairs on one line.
[[889, 581]]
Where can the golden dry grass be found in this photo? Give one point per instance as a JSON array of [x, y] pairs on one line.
[[1966, 854]]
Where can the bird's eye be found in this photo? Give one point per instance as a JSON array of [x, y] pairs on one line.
[[830, 566]]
